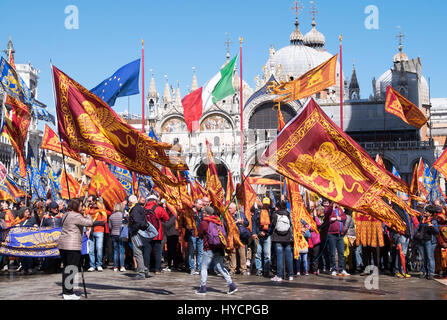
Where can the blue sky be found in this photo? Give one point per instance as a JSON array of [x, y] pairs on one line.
[[182, 34]]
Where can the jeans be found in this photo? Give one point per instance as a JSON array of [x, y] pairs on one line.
[[303, 258], [314, 254], [218, 259], [427, 250], [404, 241], [358, 256], [287, 249], [195, 244], [335, 241], [264, 244], [154, 245], [142, 269], [118, 252], [96, 239]]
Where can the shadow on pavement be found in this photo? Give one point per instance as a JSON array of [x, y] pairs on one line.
[[108, 287]]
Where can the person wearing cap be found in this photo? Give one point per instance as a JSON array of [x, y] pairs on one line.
[[52, 218], [261, 230], [137, 221], [155, 244], [426, 239], [212, 253]]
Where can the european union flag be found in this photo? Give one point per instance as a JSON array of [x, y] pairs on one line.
[[13, 84], [123, 82]]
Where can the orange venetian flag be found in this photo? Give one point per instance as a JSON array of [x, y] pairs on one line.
[[230, 188], [441, 164], [90, 167], [105, 184], [263, 181], [15, 128], [73, 186], [414, 182], [281, 121], [403, 108], [201, 190], [312, 82], [88, 125], [50, 141], [314, 152], [421, 187], [212, 178]]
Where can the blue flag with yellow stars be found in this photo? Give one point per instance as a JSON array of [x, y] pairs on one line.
[[123, 82], [13, 84]]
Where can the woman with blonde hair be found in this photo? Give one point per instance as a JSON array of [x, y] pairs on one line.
[[116, 224]]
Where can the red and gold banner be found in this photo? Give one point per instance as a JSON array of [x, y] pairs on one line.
[[403, 108], [312, 82], [16, 128], [14, 189], [316, 153], [106, 185], [90, 167], [233, 237], [50, 141], [230, 188], [263, 181], [212, 177], [421, 187], [369, 231], [247, 198], [441, 163], [87, 124], [72, 184], [281, 121], [201, 190], [298, 212]]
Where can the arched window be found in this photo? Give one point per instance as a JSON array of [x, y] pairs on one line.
[[266, 116]]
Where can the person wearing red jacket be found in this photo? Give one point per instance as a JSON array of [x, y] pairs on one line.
[[155, 245]]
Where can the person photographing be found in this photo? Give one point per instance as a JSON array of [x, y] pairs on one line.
[[70, 244]]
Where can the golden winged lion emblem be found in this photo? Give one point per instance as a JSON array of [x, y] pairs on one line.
[[329, 164]]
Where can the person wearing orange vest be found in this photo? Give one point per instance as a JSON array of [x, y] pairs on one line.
[[96, 236]]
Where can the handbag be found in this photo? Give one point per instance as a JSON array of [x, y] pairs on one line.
[[150, 232], [124, 233]]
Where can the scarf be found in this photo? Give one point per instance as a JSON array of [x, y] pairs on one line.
[[265, 219], [214, 219]]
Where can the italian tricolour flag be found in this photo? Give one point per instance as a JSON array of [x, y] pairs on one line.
[[219, 87]]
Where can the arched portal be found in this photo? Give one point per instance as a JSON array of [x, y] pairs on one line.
[[266, 116], [222, 171]]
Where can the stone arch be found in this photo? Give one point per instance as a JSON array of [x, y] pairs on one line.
[[216, 113], [222, 170], [167, 119]]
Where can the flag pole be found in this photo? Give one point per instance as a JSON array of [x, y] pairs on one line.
[[341, 82], [142, 89], [241, 97]]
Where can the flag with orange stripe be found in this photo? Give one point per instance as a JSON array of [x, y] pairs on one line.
[[51, 141], [212, 177], [230, 188], [73, 186]]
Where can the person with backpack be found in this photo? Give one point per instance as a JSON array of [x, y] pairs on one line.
[[155, 214], [213, 233], [244, 235], [282, 239], [426, 239], [334, 218]]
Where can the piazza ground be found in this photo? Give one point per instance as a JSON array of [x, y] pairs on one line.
[[172, 286]]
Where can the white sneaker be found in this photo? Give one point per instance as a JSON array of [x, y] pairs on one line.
[[290, 278], [345, 273], [71, 297], [248, 263], [99, 269], [122, 269], [167, 269], [334, 273], [276, 279], [115, 269], [91, 269], [5, 268]]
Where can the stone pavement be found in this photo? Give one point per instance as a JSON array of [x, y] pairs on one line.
[[181, 286]]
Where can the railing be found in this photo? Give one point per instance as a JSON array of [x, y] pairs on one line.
[[397, 145]]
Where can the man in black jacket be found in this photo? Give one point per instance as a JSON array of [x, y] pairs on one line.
[[137, 221]]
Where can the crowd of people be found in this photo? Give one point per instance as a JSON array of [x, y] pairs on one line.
[[143, 235]]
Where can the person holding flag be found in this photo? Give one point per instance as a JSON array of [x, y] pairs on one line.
[[261, 230]]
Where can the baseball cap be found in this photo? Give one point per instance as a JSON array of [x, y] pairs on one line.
[[266, 200], [152, 197], [133, 199]]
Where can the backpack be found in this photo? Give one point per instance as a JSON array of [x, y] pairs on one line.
[[216, 235], [152, 217], [282, 224]]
